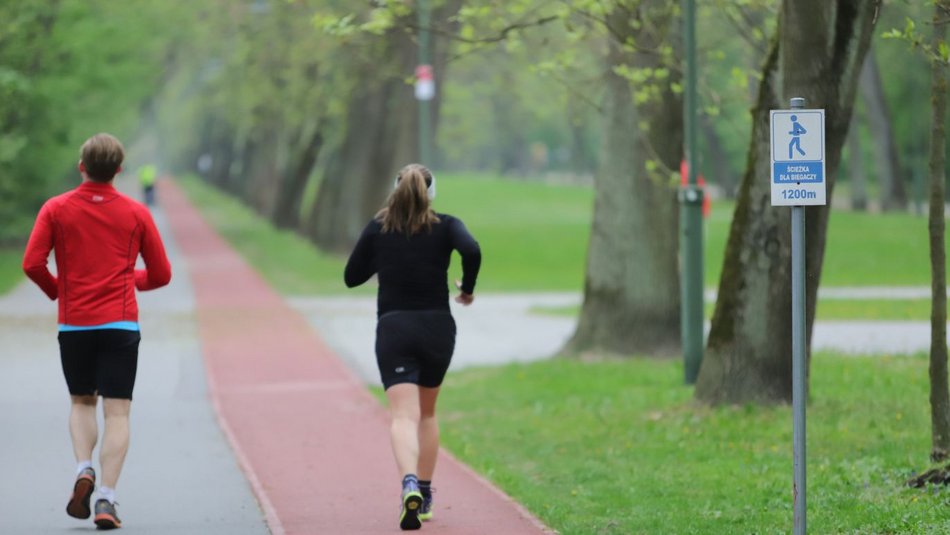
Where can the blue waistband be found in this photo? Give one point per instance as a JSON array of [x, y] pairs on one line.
[[121, 325]]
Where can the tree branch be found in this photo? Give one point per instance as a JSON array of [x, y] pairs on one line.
[[502, 35]]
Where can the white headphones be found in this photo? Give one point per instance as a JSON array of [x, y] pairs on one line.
[[430, 189]]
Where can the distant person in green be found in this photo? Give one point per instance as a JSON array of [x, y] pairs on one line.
[[147, 175]]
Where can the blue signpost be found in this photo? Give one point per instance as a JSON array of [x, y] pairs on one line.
[[798, 179], [798, 157]]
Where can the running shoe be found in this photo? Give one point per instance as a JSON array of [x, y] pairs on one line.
[[411, 502], [106, 518], [78, 506], [425, 512]]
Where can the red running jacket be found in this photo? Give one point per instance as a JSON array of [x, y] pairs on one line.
[[97, 234]]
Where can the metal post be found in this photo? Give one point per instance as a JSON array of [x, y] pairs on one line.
[[425, 121], [798, 356], [691, 219]]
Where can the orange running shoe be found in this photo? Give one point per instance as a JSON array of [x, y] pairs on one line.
[[106, 518], [78, 506]]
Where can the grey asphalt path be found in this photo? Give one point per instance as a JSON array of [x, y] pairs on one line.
[[498, 329], [180, 475]]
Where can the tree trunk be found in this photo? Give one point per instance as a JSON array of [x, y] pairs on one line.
[[893, 191], [286, 212], [817, 55], [381, 136], [722, 174], [509, 124], [261, 175], [583, 158], [631, 291], [859, 190], [939, 393]]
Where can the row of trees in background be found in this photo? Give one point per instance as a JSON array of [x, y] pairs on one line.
[[268, 81], [60, 81], [304, 110]]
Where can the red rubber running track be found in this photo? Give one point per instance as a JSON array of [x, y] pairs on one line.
[[312, 441]]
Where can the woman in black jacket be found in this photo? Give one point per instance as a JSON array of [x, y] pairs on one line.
[[409, 246]]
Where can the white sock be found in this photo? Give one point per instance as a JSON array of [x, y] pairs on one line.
[[106, 493], [82, 466]]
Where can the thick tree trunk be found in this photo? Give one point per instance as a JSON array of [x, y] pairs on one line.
[[631, 291], [857, 170], [939, 393], [817, 55], [892, 185], [286, 212], [261, 174]]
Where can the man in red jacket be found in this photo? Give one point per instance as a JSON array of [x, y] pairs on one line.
[[97, 234]]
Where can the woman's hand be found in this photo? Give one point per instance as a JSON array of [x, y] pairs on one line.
[[463, 298]]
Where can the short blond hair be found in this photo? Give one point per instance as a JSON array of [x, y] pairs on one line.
[[102, 156]]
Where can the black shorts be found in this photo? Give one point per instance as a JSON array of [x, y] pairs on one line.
[[414, 346], [101, 361]]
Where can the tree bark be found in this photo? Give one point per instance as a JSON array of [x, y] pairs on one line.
[[286, 212], [631, 290], [859, 190], [939, 393], [893, 191], [381, 136], [817, 55], [263, 176]]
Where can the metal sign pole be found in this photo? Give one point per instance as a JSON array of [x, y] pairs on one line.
[[423, 97], [798, 356], [691, 217]]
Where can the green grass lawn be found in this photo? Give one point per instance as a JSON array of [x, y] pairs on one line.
[[874, 309], [533, 235], [862, 250], [534, 238], [11, 271], [620, 447], [828, 309]]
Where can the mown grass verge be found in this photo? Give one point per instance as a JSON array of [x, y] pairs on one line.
[[828, 309], [621, 447], [11, 272]]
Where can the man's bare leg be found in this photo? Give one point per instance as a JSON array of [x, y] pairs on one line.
[[115, 439], [83, 427]]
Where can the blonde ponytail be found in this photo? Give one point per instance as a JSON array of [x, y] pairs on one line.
[[408, 208]]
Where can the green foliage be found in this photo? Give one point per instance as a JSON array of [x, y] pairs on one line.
[[542, 121], [10, 271], [258, 78], [68, 69], [620, 447], [522, 96], [906, 79]]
